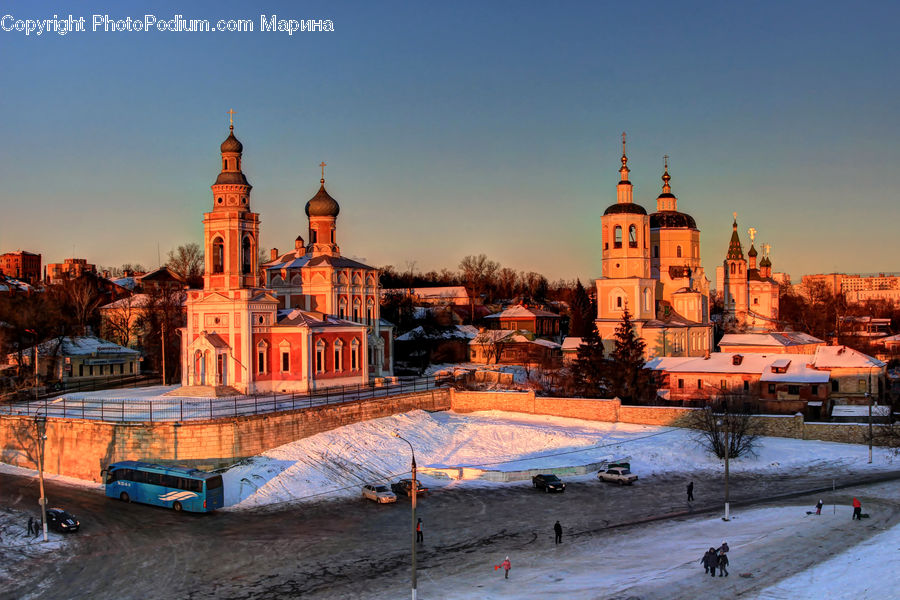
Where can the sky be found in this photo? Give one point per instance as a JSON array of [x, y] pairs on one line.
[[459, 128]]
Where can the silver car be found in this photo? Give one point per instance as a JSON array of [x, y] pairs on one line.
[[378, 493]]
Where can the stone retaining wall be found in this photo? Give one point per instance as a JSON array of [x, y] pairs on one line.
[[82, 448]]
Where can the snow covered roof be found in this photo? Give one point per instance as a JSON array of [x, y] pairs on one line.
[[836, 357], [781, 338], [431, 293], [546, 343], [295, 317], [126, 282], [571, 343], [891, 339], [459, 332], [8, 283], [853, 410], [522, 312], [136, 301], [79, 346]]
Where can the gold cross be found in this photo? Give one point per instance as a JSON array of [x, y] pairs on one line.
[[735, 215], [623, 143], [322, 164], [752, 232], [231, 114], [766, 248], [666, 159]]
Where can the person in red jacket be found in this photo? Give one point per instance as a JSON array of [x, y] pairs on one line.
[[506, 566], [857, 510]]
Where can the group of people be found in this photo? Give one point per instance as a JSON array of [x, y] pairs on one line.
[[716, 558], [34, 526]]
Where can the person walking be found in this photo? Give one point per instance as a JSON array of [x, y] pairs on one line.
[[690, 491], [724, 547], [30, 525], [723, 563], [420, 537], [819, 506], [857, 509], [557, 529], [506, 567], [709, 561]]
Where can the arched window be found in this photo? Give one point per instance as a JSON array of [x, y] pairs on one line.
[[618, 237], [678, 251], [370, 312], [218, 256], [618, 301], [338, 355], [246, 256], [261, 357], [342, 308], [647, 299], [354, 355], [632, 236], [313, 236], [320, 356], [356, 311], [732, 268]]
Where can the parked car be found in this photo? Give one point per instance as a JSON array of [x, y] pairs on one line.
[[378, 493], [61, 521], [620, 475], [549, 483], [404, 487]]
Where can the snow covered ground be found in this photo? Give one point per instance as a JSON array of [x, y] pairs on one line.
[[336, 463]]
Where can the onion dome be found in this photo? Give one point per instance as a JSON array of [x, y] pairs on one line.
[[232, 178], [765, 262], [672, 219], [752, 252], [625, 207], [322, 204], [231, 143]]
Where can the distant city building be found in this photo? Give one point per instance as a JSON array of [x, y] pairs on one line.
[[70, 268], [856, 289], [455, 294], [21, 265], [651, 266]]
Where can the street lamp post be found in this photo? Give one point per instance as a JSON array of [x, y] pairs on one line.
[[41, 425], [414, 489], [869, 399], [724, 424]]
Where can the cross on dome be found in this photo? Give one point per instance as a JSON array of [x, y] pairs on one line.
[[231, 112], [323, 165]]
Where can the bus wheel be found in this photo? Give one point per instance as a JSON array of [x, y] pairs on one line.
[[176, 506], [124, 497]]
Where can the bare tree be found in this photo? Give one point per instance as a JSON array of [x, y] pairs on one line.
[[731, 420], [187, 261], [120, 323], [81, 296], [478, 273]]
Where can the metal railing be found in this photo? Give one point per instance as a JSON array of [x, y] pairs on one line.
[[196, 408]]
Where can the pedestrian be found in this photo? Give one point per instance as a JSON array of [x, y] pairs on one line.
[[724, 547], [819, 506], [709, 561], [723, 562], [557, 529], [420, 537], [30, 525], [506, 567], [38, 525], [690, 491], [857, 510]]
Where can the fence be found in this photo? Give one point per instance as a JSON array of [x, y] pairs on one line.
[[161, 409], [92, 384]]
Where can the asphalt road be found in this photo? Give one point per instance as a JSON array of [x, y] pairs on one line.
[[343, 548]]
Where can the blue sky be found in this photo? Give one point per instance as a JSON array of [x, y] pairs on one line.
[[460, 128]]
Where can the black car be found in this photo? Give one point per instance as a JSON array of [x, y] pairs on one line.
[[404, 487], [549, 483], [61, 521]]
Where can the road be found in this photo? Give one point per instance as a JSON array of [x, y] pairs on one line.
[[348, 548]]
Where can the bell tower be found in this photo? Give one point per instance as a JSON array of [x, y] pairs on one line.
[[626, 232], [735, 274], [323, 211], [231, 230]]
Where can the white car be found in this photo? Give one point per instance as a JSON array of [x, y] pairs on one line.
[[378, 493], [620, 475]]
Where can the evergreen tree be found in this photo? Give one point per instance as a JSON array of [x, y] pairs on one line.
[[589, 370], [628, 377], [580, 318]]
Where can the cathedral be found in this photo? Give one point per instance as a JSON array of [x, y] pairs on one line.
[[316, 323], [749, 293], [651, 266]]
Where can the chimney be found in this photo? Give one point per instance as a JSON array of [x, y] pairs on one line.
[[273, 253]]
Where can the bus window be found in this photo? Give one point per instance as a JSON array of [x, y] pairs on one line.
[[214, 482]]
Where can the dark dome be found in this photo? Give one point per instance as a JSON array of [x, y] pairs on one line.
[[231, 144], [322, 205], [672, 219], [231, 177], [625, 207], [753, 251]]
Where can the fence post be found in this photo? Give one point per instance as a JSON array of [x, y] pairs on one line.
[[123, 410], [181, 409], [151, 411], [210, 408]]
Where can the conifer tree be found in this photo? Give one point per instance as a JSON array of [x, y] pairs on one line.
[[628, 378], [589, 370], [581, 315]]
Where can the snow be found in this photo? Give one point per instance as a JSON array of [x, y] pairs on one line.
[[833, 357], [338, 462], [521, 312]]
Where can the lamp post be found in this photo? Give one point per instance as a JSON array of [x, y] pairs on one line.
[[41, 424], [723, 422], [414, 489], [869, 399]]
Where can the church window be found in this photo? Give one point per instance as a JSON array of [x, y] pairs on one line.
[[632, 237], [220, 201], [618, 239], [320, 356], [342, 309], [218, 255], [646, 299], [332, 236], [338, 355], [246, 256], [678, 251], [756, 301], [732, 268], [285, 361], [370, 309], [356, 311], [261, 354], [354, 355], [618, 301], [314, 236]]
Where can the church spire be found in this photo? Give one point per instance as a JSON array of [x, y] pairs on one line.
[[666, 200], [735, 251], [624, 190]]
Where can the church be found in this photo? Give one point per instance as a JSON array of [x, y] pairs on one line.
[[316, 324], [750, 295], [651, 266]]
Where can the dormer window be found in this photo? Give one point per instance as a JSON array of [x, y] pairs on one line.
[[737, 359]]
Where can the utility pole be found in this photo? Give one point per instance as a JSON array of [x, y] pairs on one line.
[[414, 489], [163, 336], [41, 425], [723, 422]]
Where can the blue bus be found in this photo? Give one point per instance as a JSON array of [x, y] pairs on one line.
[[178, 488]]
